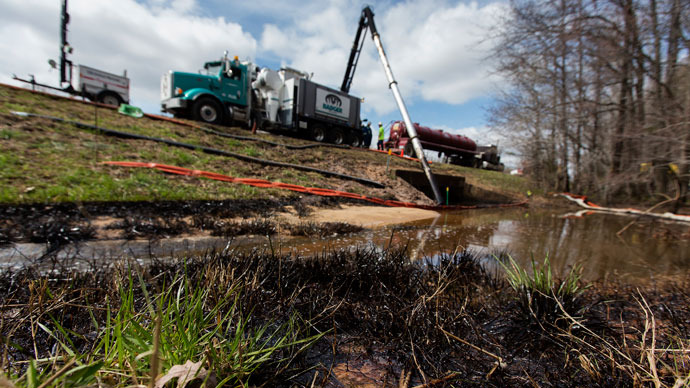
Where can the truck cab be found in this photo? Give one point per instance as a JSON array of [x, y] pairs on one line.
[[220, 93]]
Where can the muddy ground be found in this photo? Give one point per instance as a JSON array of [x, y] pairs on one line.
[[390, 323], [60, 224]]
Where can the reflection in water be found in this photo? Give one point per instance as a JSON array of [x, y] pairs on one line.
[[648, 248]]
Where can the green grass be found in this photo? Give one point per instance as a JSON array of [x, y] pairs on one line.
[[49, 166], [541, 296], [84, 184], [183, 323], [44, 161], [6, 134], [251, 151], [52, 157], [499, 181]]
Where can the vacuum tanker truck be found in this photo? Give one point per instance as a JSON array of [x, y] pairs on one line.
[[456, 149], [288, 100]]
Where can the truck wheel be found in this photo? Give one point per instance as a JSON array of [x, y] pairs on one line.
[[109, 98], [338, 136], [318, 134], [409, 150], [356, 140], [208, 110]]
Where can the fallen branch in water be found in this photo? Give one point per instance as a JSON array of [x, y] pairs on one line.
[[581, 200]]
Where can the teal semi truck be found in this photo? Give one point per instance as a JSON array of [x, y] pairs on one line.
[[230, 91]]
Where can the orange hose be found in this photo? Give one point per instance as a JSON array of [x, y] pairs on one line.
[[286, 186]]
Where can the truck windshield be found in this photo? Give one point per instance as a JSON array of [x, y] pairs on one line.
[[212, 68]]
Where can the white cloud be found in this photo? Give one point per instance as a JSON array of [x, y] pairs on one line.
[[146, 39], [437, 50], [435, 47], [445, 51]]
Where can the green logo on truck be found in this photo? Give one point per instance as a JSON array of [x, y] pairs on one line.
[[333, 103]]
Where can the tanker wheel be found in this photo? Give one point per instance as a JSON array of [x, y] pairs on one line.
[[207, 110], [467, 160], [338, 136], [318, 133], [109, 98], [409, 150], [356, 140]]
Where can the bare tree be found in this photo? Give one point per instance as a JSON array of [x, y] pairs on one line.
[[598, 95]]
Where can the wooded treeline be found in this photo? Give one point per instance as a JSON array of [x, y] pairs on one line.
[[598, 101]]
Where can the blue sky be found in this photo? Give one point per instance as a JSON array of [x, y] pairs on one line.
[[437, 48]]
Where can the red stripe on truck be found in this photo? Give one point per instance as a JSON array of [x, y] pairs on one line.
[[107, 83]]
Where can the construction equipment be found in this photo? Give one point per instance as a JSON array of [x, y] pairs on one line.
[[96, 85], [288, 100], [366, 21]]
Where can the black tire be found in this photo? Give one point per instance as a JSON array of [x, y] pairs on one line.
[[318, 133], [409, 150], [338, 136], [110, 98], [356, 140], [207, 110], [467, 160]]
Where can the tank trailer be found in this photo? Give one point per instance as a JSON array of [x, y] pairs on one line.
[[454, 149]]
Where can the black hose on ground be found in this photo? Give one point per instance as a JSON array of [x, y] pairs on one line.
[[208, 150], [288, 146]]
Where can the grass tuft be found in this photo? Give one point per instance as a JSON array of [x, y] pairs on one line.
[[540, 295], [191, 323]]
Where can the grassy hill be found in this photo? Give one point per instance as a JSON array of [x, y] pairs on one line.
[[44, 161]]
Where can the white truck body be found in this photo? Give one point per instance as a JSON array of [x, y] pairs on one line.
[[92, 83], [277, 90]]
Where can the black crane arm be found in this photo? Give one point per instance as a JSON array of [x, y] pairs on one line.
[[365, 21]]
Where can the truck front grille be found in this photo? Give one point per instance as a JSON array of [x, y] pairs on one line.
[[166, 86]]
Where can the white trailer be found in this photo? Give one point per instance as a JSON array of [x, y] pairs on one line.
[[96, 85], [101, 86]]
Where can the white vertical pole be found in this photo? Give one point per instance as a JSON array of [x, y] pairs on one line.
[[393, 85]]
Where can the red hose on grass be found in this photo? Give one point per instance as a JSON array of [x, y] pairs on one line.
[[301, 189]]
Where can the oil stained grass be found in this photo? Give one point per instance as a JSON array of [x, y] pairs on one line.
[[237, 318]]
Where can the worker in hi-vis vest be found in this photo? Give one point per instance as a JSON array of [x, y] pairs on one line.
[[379, 144]]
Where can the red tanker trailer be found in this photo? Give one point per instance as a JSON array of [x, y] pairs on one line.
[[456, 149]]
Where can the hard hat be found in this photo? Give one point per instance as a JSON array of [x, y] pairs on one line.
[[380, 123]]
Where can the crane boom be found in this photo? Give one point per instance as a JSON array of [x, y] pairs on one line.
[[356, 49], [367, 21]]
